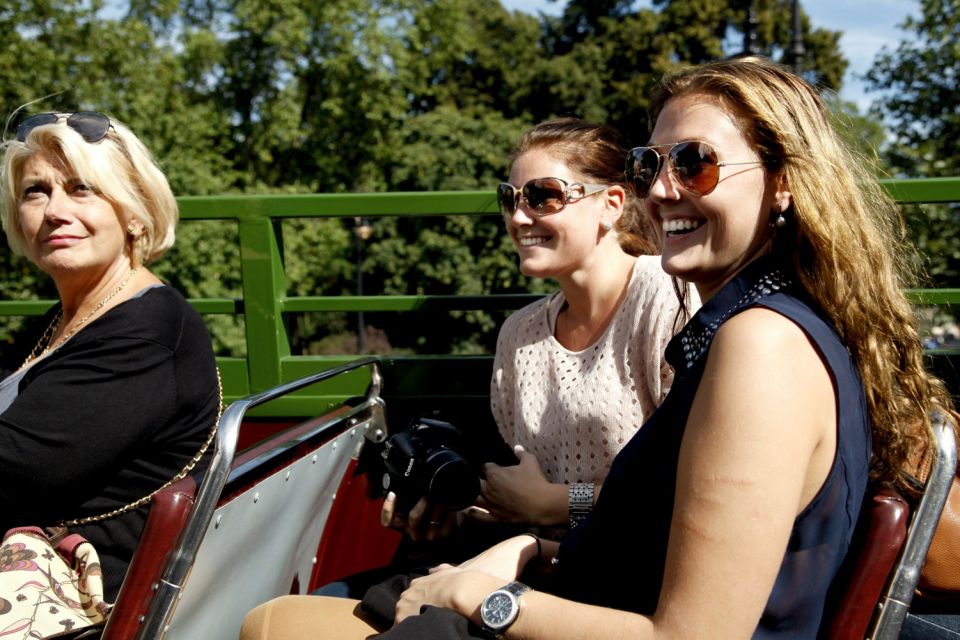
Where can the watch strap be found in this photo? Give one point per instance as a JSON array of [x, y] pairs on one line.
[[580, 502]]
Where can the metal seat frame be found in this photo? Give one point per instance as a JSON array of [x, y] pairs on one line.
[[368, 414]]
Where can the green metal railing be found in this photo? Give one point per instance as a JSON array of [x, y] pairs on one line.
[[264, 283]]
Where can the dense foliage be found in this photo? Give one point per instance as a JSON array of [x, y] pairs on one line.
[[246, 96]]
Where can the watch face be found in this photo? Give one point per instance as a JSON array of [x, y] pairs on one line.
[[499, 609]]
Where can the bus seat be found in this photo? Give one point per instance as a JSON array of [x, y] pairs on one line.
[[169, 510], [881, 530], [256, 522], [877, 541]]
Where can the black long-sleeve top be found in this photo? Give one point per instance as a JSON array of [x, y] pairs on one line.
[[107, 418]]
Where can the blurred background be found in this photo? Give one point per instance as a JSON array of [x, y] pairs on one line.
[[301, 96]]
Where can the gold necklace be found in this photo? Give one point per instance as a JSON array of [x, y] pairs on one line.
[[47, 337]]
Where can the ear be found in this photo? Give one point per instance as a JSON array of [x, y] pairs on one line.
[[782, 197], [614, 198]]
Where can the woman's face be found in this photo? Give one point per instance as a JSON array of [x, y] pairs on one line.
[[562, 243], [716, 235], [71, 231]]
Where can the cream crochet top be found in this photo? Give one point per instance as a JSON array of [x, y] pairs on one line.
[[574, 410]]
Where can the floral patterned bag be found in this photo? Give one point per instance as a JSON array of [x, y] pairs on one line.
[[49, 584]]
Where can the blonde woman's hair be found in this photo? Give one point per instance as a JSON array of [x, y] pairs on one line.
[[846, 240], [119, 167]]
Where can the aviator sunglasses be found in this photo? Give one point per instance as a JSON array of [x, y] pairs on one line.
[[692, 163], [91, 126], [544, 196]]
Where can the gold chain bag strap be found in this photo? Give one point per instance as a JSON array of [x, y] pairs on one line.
[[51, 581], [180, 476]]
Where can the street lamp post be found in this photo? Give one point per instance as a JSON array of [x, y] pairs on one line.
[[796, 39], [750, 46], [361, 233]]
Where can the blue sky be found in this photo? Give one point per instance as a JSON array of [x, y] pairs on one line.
[[867, 25]]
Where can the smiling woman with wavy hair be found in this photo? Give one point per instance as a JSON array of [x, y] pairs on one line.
[[846, 241]]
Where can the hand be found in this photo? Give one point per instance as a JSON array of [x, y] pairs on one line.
[[519, 494], [425, 521], [446, 586], [463, 588]]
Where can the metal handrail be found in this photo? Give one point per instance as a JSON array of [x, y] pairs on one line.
[[178, 566], [895, 604]]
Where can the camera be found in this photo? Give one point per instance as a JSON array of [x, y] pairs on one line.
[[422, 461]]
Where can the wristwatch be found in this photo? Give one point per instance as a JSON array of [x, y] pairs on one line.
[[501, 608]]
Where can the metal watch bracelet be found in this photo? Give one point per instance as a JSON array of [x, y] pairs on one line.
[[580, 502]]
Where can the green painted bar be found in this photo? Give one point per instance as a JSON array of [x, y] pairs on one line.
[[408, 303], [264, 285], [25, 307], [933, 296], [339, 205], [264, 298], [924, 190]]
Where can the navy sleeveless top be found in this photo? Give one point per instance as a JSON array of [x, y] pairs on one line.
[[616, 557]]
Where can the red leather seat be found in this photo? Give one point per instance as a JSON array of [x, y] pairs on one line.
[[169, 511], [878, 539]]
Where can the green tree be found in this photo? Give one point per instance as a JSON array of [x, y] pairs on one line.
[[918, 100], [242, 96], [919, 91]]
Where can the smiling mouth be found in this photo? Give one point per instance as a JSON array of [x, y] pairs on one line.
[[531, 241], [681, 226]]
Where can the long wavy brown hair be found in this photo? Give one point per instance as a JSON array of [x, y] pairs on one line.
[[846, 241]]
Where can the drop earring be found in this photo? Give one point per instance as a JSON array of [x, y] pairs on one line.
[[777, 219]]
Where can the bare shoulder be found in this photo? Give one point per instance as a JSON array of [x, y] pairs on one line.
[[764, 332]]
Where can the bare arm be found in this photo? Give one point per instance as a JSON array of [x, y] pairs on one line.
[[758, 445]]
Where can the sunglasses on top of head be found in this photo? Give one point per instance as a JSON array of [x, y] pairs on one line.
[[91, 126], [692, 163], [544, 196]]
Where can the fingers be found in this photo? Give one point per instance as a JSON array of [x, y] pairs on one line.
[[441, 567], [479, 514], [416, 520], [388, 509], [441, 523]]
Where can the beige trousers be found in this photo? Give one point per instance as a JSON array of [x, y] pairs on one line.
[[307, 618]]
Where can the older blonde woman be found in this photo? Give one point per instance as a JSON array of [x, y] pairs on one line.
[[120, 391]]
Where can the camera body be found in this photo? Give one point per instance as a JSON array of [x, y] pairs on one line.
[[423, 460]]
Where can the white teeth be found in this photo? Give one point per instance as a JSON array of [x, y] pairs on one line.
[[529, 241], [681, 224]]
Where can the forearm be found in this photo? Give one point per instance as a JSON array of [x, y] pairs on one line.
[[552, 508], [545, 616]]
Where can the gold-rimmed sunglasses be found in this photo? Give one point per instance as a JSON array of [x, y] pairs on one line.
[[693, 163]]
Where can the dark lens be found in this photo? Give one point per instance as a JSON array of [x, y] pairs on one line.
[[545, 195], [453, 483], [695, 166], [507, 199], [89, 124], [33, 122], [643, 165]]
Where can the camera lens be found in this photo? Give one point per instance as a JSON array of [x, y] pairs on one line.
[[452, 482]]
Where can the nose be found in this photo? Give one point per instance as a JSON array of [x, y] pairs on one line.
[[522, 216], [56, 207], [664, 187]]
